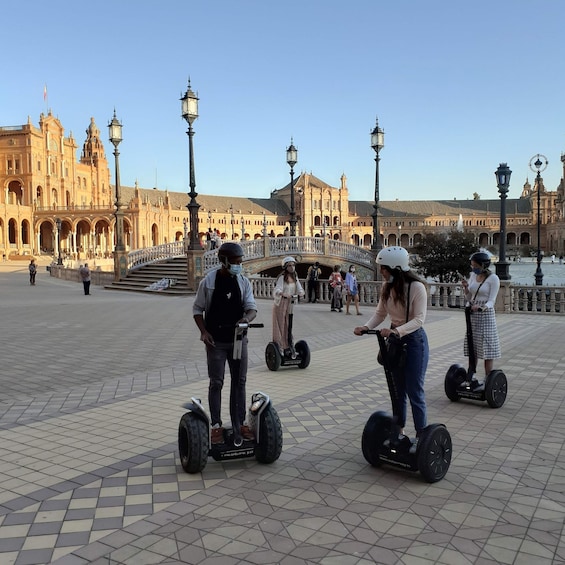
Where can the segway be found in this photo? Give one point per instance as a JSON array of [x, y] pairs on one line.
[[382, 441], [194, 436], [461, 383], [297, 355]]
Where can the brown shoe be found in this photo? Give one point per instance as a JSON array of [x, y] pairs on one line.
[[247, 432], [217, 435]]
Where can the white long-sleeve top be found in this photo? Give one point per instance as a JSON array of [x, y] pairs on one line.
[[487, 290], [418, 308]]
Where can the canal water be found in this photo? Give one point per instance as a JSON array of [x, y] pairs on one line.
[[523, 272]]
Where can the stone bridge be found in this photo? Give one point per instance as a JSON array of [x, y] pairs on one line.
[[266, 253]]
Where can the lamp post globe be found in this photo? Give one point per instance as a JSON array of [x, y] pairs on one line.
[[538, 163], [377, 143], [503, 174], [292, 159], [189, 111]]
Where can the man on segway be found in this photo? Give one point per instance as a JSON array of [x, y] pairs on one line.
[[223, 300]]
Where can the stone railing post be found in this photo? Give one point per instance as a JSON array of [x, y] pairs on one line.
[[504, 298], [194, 267]]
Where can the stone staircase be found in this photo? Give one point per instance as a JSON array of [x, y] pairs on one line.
[[140, 279]]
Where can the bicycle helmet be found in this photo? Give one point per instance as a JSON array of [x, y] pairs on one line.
[[481, 258], [394, 258], [287, 260], [229, 251]]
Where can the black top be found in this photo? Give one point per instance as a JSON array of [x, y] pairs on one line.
[[225, 310]]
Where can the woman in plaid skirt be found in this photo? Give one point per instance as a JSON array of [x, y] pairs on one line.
[[480, 293]]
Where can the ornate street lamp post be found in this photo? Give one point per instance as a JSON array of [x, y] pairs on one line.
[[232, 222], [242, 228], [115, 128], [189, 106], [292, 159], [377, 143], [59, 256], [537, 166], [209, 220], [503, 182]]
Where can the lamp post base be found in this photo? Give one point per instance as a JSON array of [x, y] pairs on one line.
[[538, 276], [502, 270]]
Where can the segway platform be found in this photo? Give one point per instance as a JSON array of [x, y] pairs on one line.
[[381, 442], [297, 355], [194, 436], [461, 383]]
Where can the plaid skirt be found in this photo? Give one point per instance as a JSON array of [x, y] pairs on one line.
[[485, 336]]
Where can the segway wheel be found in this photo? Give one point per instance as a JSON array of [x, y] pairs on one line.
[[376, 431], [269, 446], [273, 356], [303, 351], [496, 387], [454, 377], [193, 443], [434, 452]]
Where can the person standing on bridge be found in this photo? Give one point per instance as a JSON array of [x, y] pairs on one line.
[[223, 300]]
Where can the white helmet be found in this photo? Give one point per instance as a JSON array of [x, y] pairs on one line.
[[287, 260], [394, 257]]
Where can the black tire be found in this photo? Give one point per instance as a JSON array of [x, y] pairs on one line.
[[375, 432], [273, 356], [303, 351], [454, 377], [496, 388], [269, 446], [193, 443], [434, 452]]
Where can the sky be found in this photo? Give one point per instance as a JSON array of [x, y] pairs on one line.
[[458, 87]]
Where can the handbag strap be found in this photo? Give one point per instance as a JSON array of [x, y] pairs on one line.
[[408, 301], [473, 300]]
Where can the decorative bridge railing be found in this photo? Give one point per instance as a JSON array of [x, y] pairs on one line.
[[512, 297], [257, 249]]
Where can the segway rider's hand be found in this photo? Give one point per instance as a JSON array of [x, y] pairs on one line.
[[360, 330], [207, 338]]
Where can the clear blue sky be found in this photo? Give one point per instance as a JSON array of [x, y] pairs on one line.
[[458, 88]]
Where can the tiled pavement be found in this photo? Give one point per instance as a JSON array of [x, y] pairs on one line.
[[90, 394]]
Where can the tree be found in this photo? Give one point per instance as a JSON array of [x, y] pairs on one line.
[[444, 257], [476, 196]]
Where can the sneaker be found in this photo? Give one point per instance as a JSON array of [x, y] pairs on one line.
[[333, 309], [217, 434], [414, 446], [340, 310], [359, 314], [247, 432]]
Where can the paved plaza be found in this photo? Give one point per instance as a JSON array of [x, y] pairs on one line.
[[90, 399]]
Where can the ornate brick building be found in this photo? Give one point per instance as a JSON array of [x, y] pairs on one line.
[[42, 182]]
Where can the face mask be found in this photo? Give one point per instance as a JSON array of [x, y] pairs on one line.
[[290, 268], [390, 279], [235, 269], [477, 270], [352, 270]]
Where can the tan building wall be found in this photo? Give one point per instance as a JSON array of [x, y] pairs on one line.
[[41, 181]]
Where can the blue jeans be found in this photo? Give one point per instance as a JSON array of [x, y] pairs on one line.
[[217, 357], [410, 380]]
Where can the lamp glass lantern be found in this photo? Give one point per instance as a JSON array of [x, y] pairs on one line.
[[377, 138], [291, 155], [189, 105], [503, 174], [115, 128]]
